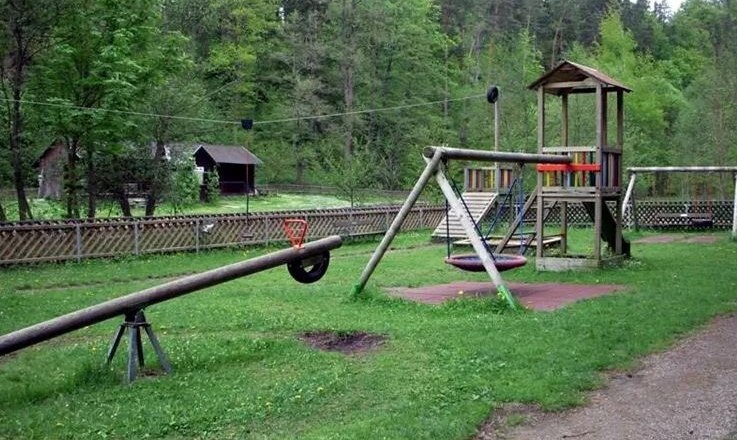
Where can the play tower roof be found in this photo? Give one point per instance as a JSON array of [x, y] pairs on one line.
[[569, 77]]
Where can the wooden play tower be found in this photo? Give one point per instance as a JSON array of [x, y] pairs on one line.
[[594, 176]]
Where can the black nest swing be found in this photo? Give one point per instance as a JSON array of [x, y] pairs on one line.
[[472, 262]]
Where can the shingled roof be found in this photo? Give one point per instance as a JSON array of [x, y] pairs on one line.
[[230, 154], [568, 71]]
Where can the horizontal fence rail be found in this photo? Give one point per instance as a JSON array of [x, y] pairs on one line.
[[29, 242], [59, 240]]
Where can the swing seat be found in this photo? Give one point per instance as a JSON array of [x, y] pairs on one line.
[[472, 262]]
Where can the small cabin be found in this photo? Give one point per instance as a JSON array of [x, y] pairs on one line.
[[235, 165], [50, 165]]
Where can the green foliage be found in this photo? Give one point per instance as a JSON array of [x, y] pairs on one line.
[[350, 175], [309, 73], [212, 187], [184, 189]]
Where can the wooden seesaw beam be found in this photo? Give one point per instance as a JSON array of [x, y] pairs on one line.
[[130, 305]]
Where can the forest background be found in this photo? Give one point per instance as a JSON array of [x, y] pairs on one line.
[[115, 82]]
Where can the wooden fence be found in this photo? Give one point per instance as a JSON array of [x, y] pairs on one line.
[[29, 242], [651, 214], [58, 240]]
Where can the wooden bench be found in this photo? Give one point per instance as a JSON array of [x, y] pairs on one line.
[[696, 219]]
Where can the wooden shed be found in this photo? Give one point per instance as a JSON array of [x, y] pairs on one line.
[[50, 165], [236, 166]]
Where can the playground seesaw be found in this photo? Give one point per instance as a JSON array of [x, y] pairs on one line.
[[306, 263]]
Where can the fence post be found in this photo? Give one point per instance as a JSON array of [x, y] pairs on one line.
[[78, 233], [197, 235], [136, 246], [734, 210]]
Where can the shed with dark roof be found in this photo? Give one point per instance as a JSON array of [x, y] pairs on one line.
[[235, 165]]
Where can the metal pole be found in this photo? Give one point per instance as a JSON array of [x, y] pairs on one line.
[[496, 125], [628, 194], [494, 156], [139, 300], [427, 173]]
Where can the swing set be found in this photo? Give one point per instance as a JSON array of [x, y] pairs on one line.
[[697, 214], [437, 159]]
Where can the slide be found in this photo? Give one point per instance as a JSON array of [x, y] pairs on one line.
[[608, 226]]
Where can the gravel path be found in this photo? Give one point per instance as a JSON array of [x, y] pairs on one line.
[[689, 392]]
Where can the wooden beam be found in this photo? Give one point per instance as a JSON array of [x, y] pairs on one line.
[[587, 83], [564, 132], [628, 193], [620, 120], [540, 120], [694, 169], [492, 156]]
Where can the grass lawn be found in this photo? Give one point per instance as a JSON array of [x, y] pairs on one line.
[[47, 209], [241, 371]]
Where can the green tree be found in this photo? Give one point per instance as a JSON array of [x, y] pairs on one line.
[[212, 187], [653, 105], [26, 34], [349, 174], [106, 58], [184, 190]]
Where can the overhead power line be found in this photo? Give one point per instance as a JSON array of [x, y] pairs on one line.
[[222, 121]]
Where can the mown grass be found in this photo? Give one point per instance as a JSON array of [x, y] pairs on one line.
[[48, 209], [241, 372]]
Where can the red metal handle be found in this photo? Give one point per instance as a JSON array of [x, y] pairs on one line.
[[296, 229]]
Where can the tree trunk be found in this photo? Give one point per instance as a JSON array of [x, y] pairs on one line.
[[3, 217], [91, 184], [349, 10], [125, 206], [155, 184], [299, 164], [71, 180], [16, 143]]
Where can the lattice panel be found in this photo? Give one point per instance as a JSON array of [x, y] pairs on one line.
[[169, 235], [651, 214], [34, 243], [106, 240], [221, 232]]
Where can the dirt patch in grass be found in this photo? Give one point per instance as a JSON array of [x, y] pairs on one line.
[[343, 342], [506, 417]]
